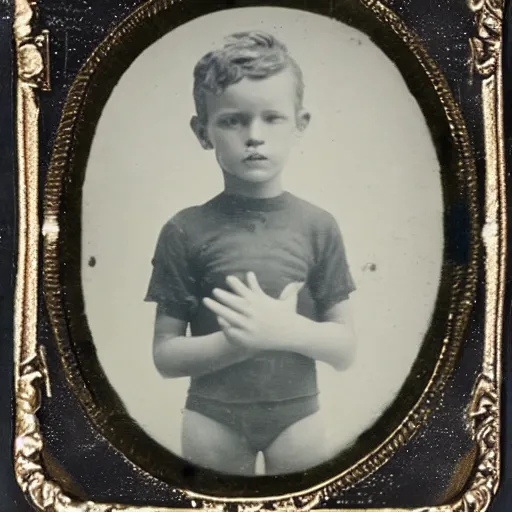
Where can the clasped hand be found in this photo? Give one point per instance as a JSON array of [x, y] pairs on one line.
[[252, 319]]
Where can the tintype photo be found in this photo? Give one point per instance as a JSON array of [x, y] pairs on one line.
[[259, 255], [262, 239]]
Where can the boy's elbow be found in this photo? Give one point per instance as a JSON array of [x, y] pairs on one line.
[[162, 369], [164, 365], [347, 356]]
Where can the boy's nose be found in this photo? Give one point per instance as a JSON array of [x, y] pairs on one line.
[[253, 143], [254, 135]]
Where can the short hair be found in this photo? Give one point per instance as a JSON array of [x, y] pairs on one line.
[[255, 55]]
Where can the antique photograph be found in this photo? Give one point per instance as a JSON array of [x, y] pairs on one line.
[[262, 239]]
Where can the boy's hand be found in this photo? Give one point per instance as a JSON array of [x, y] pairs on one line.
[[251, 318]]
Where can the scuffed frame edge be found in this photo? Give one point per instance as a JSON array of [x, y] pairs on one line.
[[31, 373]]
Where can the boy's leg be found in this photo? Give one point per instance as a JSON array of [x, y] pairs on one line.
[[211, 444], [299, 447]]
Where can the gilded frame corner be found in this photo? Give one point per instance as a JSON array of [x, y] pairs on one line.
[[32, 382]]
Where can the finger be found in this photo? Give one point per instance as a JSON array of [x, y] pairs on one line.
[[231, 300], [253, 282], [237, 286], [227, 328], [234, 335], [223, 323], [291, 289], [234, 318]]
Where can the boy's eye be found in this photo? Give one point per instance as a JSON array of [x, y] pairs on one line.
[[229, 122], [275, 118]]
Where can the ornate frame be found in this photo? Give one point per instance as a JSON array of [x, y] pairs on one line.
[[32, 382]]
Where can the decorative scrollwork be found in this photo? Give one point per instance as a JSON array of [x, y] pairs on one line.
[[484, 413], [291, 505], [30, 473], [486, 45], [33, 49], [301, 504], [251, 507], [213, 507]]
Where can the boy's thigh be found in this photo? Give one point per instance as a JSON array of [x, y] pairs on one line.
[[211, 444], [300, 446]]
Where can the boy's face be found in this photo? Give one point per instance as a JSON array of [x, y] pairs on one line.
[[252, 126]]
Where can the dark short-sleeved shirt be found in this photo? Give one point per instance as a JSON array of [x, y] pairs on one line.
[[282, 240]]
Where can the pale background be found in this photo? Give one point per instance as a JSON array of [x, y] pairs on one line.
[[367, 157]]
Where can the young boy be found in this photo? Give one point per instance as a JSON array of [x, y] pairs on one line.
[[259, 275]]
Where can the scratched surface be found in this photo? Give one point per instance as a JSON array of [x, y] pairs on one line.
[[419, 475]]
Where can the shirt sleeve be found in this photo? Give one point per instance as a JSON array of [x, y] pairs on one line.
[[172, 284], [330, 281]]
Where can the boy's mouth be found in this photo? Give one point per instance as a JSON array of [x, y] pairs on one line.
[[254, 157]]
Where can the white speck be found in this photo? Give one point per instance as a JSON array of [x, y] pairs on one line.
[[50, 227]]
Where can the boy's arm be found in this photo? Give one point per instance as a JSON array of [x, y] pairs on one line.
[[250, 318], [331, 341], [178, 355]]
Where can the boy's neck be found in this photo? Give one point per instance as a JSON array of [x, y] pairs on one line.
[[237, 187]]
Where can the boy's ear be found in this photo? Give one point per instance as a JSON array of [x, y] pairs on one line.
[[201, 133], [303, 119]]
